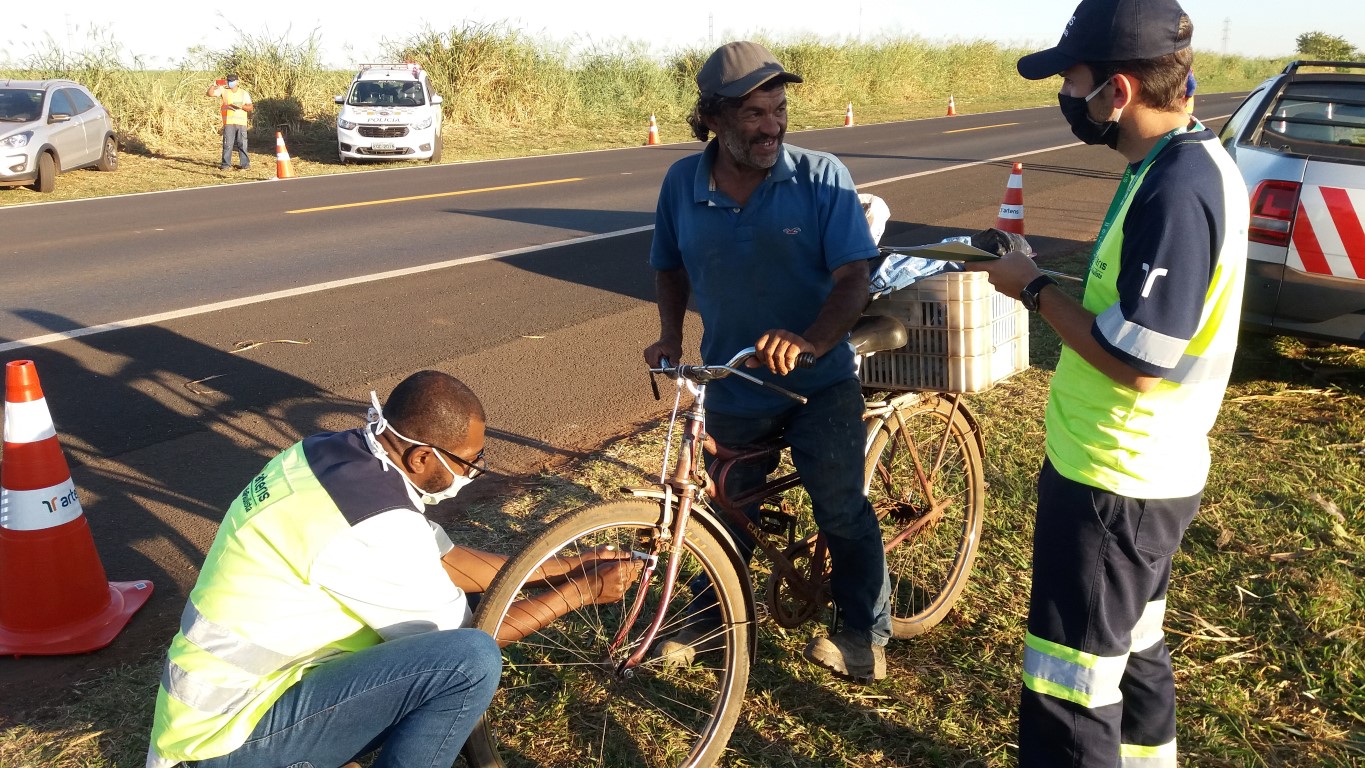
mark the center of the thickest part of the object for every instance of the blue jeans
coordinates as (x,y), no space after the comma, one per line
(234,137)
(827,440)
(415,699)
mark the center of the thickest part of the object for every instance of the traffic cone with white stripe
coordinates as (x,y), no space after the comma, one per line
(284,167)
(952,107)
(53,595)
(653,137)
(1011,217)
(848,116)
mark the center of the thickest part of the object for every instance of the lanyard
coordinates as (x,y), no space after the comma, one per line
(1128,185)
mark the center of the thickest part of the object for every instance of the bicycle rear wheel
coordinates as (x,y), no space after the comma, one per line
(925,481)
(562,701)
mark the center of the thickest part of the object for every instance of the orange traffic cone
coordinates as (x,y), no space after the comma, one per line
(53,595)
(1011,218)
(952,108)
(848,116)
(284,167)
(653,137)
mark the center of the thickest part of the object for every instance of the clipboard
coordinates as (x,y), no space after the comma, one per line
(949,251)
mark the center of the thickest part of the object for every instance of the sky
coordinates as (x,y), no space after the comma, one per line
(161,33)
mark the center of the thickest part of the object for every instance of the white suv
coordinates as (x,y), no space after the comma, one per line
(390,112)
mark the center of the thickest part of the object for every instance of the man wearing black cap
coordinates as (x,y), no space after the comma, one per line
(1145,360)
(772,243)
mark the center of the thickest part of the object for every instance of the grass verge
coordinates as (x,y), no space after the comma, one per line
(1266,621)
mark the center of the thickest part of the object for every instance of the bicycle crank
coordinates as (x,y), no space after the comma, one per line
(795,595)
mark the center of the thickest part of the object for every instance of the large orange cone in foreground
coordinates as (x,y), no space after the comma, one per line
(53,595)
(284,167)
(1011,218)
(653,137)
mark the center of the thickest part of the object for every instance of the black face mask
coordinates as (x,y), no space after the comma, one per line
(1083,126)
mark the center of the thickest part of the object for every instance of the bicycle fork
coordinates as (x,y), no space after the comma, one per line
(683,482)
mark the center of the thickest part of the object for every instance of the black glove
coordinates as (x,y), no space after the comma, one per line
(999,242)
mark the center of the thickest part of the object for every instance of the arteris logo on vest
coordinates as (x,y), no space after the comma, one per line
(60,502)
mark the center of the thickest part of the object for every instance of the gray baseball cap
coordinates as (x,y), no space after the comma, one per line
(736,69)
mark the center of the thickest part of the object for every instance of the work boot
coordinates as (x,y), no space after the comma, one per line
(849,655)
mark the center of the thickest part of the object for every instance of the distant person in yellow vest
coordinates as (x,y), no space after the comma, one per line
(332,618)
(1146,355)
(236,106)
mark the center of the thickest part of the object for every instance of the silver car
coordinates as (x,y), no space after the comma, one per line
(49,127)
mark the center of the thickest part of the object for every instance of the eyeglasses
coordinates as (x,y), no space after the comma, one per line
(472,469)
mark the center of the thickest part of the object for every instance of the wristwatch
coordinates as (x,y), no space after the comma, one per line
(1029,296)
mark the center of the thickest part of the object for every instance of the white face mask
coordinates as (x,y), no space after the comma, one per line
(377,425)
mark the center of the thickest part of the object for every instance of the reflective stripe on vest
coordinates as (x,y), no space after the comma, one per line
(1082,678)
(1135,756)
(1148,632)
(1151,444)
(228,646)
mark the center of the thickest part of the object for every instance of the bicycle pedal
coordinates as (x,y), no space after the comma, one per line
(776,521)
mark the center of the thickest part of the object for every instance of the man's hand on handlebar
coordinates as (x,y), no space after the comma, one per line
(778,350)
(663,348)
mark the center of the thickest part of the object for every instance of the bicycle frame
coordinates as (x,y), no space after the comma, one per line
(690,482)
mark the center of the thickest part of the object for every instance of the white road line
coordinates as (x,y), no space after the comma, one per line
(161,317)
(53,338)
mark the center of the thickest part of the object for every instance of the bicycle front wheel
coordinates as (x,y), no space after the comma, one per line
(562,700)
(925,481)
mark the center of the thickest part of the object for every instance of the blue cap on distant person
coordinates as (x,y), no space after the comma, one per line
(1110,30)
(736,69)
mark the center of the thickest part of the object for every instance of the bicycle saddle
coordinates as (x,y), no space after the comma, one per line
(877,333)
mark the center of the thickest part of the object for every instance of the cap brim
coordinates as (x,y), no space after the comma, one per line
(747,85)
(1044,64)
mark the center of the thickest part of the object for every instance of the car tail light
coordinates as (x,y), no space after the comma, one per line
(1272,212)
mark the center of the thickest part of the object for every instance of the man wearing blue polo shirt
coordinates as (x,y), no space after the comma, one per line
(772,243)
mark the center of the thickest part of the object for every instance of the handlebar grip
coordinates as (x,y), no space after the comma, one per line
(805,360)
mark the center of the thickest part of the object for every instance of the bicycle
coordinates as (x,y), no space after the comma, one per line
(586,687)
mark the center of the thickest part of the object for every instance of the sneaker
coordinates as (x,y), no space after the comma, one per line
(847,654)
(224,167)
(681,649)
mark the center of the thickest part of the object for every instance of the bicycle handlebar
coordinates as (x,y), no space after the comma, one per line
(702,374)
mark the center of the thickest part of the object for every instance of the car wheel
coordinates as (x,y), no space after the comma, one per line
(435,151)
(109,157)
(47,174)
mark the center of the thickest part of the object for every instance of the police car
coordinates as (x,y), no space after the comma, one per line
(1299,140)
(390,112)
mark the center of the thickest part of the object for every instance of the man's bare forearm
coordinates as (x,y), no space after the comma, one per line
(673,291)
(842,308)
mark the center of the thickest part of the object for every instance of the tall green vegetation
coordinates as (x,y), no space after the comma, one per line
(497,80)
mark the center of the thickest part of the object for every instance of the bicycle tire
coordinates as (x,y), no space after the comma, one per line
(560,701)
(930,566)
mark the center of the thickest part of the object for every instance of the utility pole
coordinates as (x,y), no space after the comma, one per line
(1227,27)
(710,29)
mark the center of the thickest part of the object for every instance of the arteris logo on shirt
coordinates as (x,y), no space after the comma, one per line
(792,230)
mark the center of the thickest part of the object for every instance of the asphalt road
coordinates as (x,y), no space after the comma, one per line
(527,278)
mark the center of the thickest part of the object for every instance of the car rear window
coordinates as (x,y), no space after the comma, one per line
(1318,118)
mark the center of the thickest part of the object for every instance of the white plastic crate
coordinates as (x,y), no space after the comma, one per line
(963,336)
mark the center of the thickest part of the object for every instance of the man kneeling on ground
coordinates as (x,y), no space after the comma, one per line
(328,592)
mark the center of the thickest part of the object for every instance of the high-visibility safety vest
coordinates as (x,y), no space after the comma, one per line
(255,622)
(235,98)
(1152,445)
